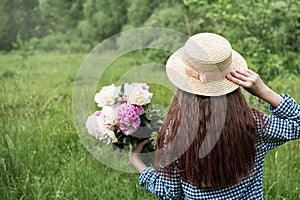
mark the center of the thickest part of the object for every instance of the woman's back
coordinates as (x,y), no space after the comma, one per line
(274,131)
(224,136)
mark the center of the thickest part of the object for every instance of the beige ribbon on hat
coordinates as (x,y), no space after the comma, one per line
(208,75)
(193,73)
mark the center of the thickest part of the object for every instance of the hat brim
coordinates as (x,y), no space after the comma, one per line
(175,69)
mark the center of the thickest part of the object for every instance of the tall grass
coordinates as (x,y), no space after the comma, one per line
(42,156)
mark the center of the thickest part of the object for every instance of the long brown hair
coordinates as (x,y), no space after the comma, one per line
(210,139)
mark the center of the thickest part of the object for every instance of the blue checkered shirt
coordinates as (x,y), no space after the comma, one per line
(282,127)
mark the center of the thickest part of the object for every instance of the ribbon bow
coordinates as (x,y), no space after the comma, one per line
(198,75)
(207,76)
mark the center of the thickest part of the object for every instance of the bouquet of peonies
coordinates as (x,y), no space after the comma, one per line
(126,116)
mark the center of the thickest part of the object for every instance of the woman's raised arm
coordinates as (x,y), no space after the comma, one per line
(252,82)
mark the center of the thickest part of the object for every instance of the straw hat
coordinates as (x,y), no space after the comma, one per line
(201,65)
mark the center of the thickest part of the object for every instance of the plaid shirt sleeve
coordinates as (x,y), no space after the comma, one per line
(163,187)
(284,126)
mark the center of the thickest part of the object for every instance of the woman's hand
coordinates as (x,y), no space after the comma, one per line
(249,80)
(254,85)
(134,155)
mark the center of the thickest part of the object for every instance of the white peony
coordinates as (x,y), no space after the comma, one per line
(108,117)
(139,94)
(93,125)
(106,134)
(96,126)
(107,95)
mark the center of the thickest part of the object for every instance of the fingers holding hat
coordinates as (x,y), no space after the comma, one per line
(239,77)
(246,78)
(250,80)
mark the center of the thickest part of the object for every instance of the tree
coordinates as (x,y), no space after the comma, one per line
(19,21)
(139,11)
(58,16)
(102,19)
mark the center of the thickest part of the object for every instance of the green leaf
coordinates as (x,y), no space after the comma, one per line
(116,99)
(145,121)
(122,90)
(133,142)
(154,135)
(126,141)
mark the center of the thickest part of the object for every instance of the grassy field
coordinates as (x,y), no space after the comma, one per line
(42,156)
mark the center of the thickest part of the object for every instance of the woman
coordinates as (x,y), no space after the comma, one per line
(212,144)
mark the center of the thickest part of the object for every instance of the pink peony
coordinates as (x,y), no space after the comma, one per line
(128,118)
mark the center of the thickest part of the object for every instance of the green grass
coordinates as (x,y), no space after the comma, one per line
(42,156)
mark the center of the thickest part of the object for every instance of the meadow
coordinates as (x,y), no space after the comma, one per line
(43,157)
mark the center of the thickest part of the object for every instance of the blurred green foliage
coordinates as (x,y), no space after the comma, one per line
(266,33)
